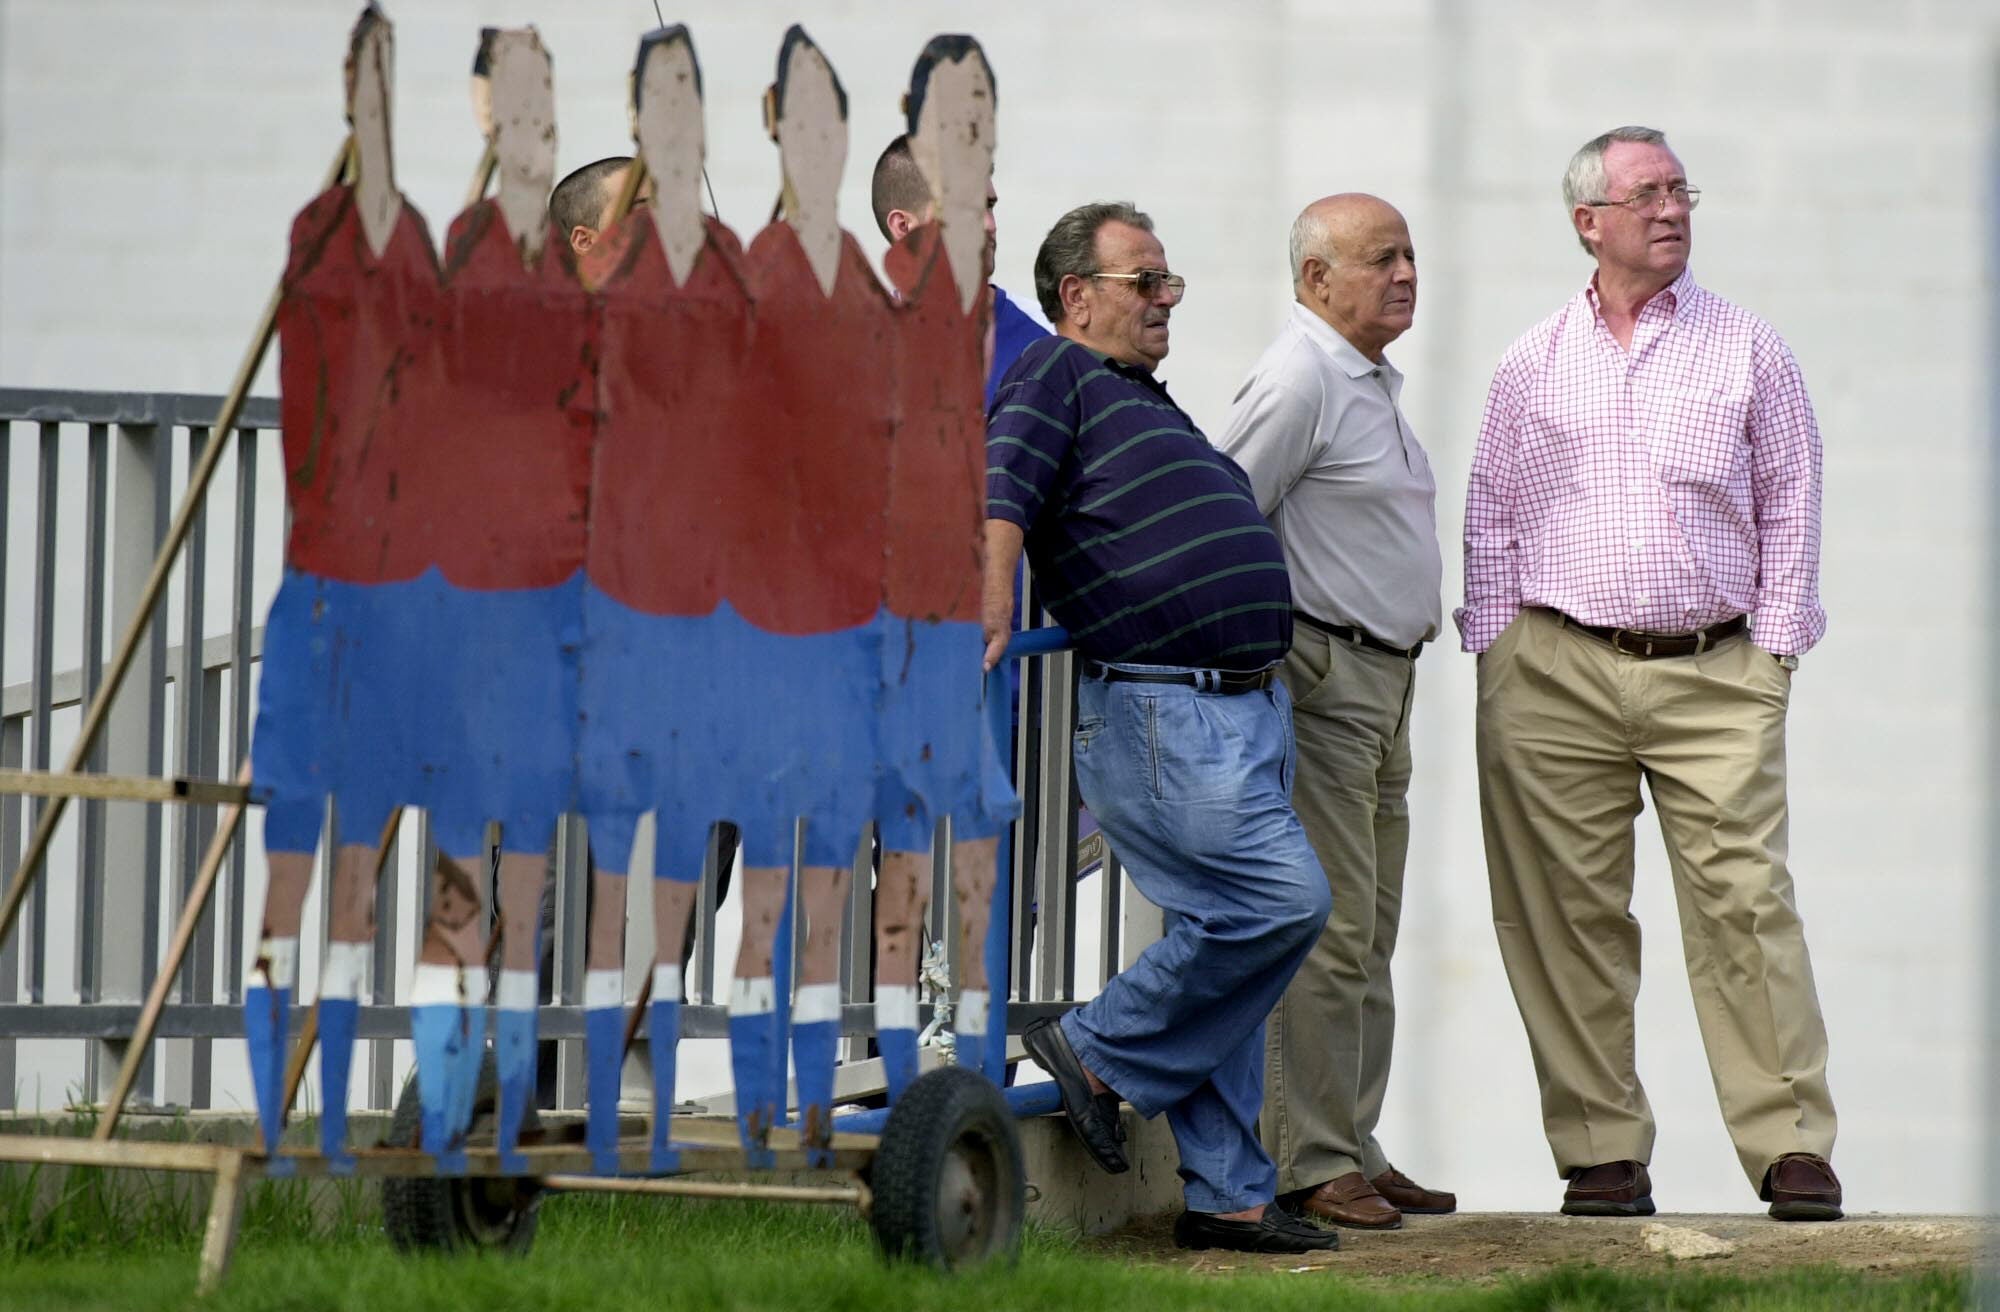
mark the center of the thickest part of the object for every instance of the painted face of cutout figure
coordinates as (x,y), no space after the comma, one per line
(951,107)
(668,124)
(524,134)
(370,73)
(806,112)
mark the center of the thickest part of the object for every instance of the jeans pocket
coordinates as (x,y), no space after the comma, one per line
(1087,728)
(1197,750)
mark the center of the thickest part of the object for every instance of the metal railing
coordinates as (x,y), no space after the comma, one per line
(102,473)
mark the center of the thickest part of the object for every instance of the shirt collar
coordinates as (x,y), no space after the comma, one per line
(1673,297)
(1119,367)
(1341,351)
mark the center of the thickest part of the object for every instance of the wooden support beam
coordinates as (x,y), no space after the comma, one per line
(225,1220)
(163,983)
(64,1150)
(856,1194)
(123,787)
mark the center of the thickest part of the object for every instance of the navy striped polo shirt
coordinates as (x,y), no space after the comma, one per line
(1145,540)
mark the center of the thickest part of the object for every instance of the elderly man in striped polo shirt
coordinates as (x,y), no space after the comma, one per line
(1149,546)
(1641,577)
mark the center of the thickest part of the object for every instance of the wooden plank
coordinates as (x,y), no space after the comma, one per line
(852,1152)
(225,1220)
(123,788)
(711,1148)
(856,1193)
(63,1150)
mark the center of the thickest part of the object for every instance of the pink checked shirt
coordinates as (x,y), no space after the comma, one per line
(1667,488)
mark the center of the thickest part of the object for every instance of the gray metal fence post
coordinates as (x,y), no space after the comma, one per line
(572,875)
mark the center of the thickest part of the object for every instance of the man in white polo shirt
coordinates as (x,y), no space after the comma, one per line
(1350,493)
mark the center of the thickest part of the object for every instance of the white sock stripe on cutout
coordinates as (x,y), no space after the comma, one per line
(666,983)
(434,985)
(896,1007)
(345,971)
(753,997)
(281,960)
(971,1018)
(816,1003)
(603,988)
(518,990)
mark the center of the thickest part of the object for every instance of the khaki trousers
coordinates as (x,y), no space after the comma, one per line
(1327,1042)
(1567,727)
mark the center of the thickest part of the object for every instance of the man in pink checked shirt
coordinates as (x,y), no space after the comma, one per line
(1641,577)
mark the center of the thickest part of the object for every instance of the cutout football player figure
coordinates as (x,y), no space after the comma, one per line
(677,325)
(805,577)
(361,272)
(939,759)
(507,533)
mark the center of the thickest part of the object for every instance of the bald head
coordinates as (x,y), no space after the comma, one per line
(1327,228)
(1354,266)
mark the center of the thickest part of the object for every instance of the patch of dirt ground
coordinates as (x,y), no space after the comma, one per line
(1478,1246)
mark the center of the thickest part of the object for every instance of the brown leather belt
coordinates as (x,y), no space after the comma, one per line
(1226,682)
(1361,637)
(1650,646)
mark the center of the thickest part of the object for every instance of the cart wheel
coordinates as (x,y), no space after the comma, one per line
(459,1213)
(949,1188)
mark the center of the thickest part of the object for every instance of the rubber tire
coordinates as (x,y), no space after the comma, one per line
(950,1190)
(459,1214)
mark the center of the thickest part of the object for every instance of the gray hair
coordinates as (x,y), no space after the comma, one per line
(1584,182)
(1071,248)
(1310,240)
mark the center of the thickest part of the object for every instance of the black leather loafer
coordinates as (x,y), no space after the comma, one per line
(1274,1232)
(1094,1118)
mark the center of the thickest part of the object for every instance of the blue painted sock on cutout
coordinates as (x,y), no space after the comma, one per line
(970,1050)
(663,1036)
(751,1039)
(604,1058)
(436,1030)
(336,1058)
(465,1063)
(813,1047)
(899,1059)
(266,1018)
(514,1062)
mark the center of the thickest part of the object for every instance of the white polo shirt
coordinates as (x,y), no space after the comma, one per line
(1345,483)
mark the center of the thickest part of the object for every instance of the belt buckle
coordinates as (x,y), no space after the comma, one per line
(1618,637)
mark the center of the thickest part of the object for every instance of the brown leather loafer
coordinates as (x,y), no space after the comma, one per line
(1349,1200)
(1609,1189)
(1406,1195)
(1802,1187)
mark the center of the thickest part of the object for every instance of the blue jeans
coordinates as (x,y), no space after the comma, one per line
(1193,790)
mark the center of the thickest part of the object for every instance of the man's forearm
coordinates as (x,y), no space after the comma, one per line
(1002,559)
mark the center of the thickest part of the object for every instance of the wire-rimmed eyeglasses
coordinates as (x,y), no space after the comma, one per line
(1653,200)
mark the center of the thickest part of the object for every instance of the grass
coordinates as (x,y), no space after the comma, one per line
(121,1251)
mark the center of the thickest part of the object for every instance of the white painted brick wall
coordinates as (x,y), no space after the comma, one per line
(151,157)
